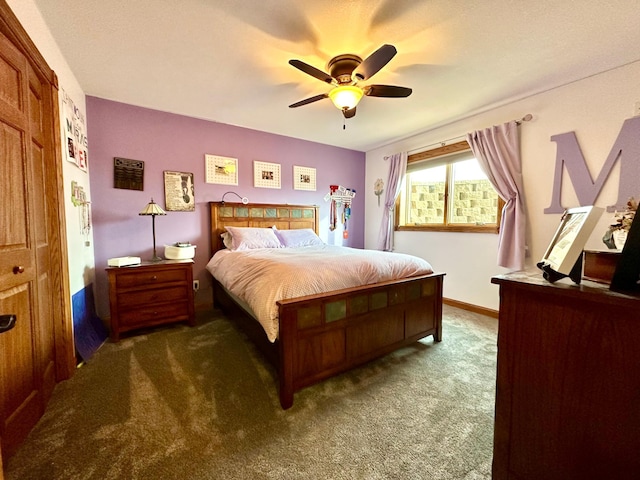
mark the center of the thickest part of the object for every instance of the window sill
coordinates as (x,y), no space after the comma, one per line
(449,228)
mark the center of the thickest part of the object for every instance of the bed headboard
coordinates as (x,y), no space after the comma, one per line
(283,216)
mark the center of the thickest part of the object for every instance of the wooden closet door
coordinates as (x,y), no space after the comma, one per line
(27,352)
(44,208)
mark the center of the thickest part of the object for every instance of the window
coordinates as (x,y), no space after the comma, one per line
(445,190)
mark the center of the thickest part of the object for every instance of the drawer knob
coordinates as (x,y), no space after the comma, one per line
(18,269)
(154,278)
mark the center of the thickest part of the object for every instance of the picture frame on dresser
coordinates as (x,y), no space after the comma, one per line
(563,257)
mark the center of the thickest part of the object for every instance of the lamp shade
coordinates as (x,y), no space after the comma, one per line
(152,208)
(346,96)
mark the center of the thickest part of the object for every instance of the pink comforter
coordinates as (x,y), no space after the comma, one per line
(263,276)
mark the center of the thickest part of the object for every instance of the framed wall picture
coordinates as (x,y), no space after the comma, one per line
(128,174)
(179,195)
(221,170)
(304,178)
(266,175)
(565,250)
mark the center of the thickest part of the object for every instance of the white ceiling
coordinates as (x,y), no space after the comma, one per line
(227,60)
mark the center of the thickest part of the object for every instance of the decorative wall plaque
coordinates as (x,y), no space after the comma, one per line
(128,174)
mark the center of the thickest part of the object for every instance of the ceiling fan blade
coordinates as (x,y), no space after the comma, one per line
(313,71)
(387,91)
(306,101)
(350,113)
(374,62)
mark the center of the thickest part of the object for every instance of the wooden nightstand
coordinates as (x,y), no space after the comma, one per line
(151,293)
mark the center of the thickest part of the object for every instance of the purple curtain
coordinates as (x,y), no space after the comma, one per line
(497,150)
(397,169)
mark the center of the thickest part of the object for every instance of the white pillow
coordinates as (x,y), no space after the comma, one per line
(247,238)
(302,237)
(227,240)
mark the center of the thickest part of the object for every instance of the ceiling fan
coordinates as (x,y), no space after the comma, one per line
(346,71)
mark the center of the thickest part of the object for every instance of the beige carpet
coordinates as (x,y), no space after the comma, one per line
(200,403)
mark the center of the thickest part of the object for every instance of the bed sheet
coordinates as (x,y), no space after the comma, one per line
(263,276)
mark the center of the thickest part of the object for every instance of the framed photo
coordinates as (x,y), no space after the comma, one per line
(222,170)
(266,175)
(568,242)
(304,178)
(179,195)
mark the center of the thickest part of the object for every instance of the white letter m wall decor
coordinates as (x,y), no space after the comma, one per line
(626,148)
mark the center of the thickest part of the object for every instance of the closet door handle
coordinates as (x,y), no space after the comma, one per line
(7,322)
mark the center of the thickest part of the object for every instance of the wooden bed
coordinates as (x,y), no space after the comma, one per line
(323,335)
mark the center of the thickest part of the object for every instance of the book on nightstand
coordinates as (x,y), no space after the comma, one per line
(123,261)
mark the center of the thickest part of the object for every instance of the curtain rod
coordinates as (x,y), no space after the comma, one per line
(442,143)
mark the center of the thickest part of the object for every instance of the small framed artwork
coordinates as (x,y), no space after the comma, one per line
(128,174)
(179,195)
(564,253)
(304,178)
(221,170)
(266,175)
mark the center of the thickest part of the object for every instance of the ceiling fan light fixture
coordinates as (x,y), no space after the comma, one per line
(346,97)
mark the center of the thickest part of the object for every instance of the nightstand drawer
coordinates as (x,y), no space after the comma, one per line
(147,278)
(154,314)
(153,296)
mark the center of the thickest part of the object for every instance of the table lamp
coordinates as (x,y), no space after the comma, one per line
(153,209)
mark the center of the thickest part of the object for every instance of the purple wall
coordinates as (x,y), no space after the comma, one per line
(166,141)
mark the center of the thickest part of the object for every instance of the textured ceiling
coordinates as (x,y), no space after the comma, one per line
(227,60)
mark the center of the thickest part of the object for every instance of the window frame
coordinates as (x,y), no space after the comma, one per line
(464,228)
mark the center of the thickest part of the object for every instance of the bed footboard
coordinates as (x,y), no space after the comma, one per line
(323,335)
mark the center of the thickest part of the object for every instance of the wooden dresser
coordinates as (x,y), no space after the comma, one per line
(568,381)
(149,294)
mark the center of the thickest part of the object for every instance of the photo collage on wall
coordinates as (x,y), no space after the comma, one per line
(76,133)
